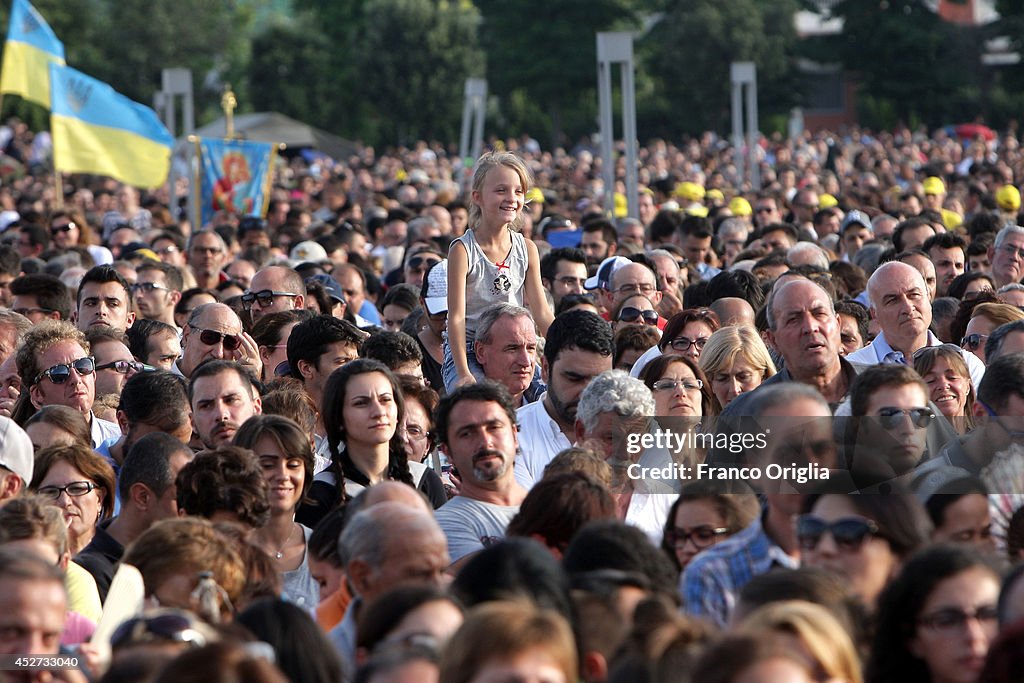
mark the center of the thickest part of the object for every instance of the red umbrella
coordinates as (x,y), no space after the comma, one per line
(973,130)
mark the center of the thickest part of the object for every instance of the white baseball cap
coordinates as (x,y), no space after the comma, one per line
(16,453)
(435,289)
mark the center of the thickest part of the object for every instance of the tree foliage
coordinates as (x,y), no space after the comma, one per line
(688,54)
(905,55)
(546,50)
(414,57)
(289,69)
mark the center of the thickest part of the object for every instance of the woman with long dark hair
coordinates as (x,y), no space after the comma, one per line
(362,411)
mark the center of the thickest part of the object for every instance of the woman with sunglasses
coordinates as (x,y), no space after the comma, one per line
(949,383)
(363,408)
(936,619)
(271,336)
(80,482)
(634,310)
(735,361)
(984,319)
(705,515)
(687,332)
(286,459)
(861,538)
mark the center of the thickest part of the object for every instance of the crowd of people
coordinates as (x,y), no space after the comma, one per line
(427,423)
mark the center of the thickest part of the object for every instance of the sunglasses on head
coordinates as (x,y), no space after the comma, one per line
(848,533)
(170,628)
(631,314)
(892,418)
(212,338)
(264,296)
(972,341)
(60,373)
(422,262)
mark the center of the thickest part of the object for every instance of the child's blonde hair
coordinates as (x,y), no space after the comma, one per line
(483,166)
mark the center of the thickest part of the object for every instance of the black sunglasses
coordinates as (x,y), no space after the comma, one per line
(57,229)
(264,296)
(212,338)
(59,373)
(630,314)
(123,367)
(972,341)
(849,533)
(421,262)
(892,418)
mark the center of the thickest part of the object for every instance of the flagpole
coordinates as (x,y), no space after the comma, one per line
(58,187)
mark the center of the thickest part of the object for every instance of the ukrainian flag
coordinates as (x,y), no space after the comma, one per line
(98,130)
(31,46)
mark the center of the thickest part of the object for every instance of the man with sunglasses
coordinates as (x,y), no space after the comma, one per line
(104,300)
(899,302)
(157,290)
(896,419)
(213,331)
(418,262)
(55,366)
(274,289)
(114,362)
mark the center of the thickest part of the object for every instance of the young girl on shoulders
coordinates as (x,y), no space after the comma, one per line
(491,263)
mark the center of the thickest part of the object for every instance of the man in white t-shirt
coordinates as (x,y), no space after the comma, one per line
(578,348)
(476,424)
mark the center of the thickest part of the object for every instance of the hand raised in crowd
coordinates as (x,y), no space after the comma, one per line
(248,355)
(8,401)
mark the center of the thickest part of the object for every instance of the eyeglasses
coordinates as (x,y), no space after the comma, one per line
(265,297)
(123,367)
(631,314)
(702,536)
(29,311)
(683,344)
(892,418)
(949,619)
(60,373)
(645,288)
(1012,251)
(421,262)
(673,384)
(169,249)
(205,250)
(67,227)
(849,533)
(212,338)
(972,341)
(75,489)
(148,287)
(174,628)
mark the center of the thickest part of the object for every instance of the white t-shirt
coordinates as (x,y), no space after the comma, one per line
(472,525)
(540,440)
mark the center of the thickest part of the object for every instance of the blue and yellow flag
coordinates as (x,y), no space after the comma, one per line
(30,48)
(235,176)
(98,130)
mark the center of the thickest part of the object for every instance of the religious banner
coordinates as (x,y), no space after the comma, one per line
(234,177)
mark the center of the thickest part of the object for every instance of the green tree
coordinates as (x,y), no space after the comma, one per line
(414,58)
(688,54)
(546,52)
(904,55)
(287,71)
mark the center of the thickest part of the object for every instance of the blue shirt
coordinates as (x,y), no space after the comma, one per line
(713,578)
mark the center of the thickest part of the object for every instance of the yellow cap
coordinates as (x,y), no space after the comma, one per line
(740,207)
(691,192)
(1008,198)
(951,219)
(714,194)
(933,185)
(827,201)
(621,205)
(535,195)
(701,211)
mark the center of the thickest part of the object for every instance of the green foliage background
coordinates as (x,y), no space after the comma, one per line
(393,71)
